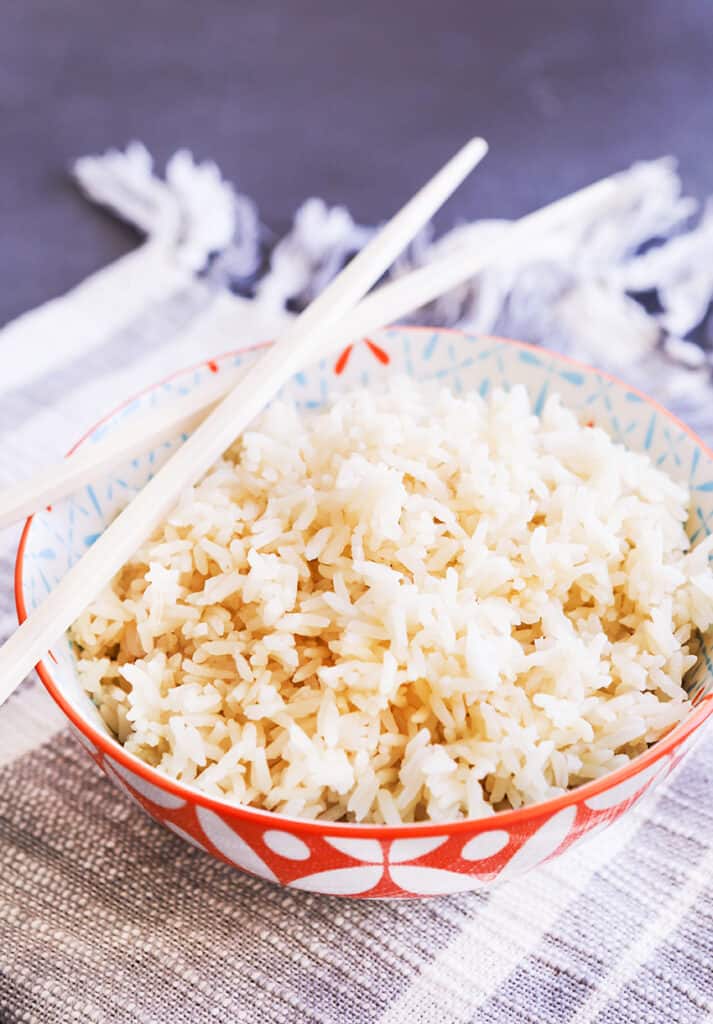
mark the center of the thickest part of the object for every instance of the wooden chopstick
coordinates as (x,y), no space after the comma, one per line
(386,305)
(305,336)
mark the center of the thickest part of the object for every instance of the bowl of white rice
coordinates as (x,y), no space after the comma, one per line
(443,611)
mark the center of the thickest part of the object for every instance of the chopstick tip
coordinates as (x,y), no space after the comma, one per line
(477,146)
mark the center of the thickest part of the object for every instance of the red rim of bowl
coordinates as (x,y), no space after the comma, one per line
(501,819)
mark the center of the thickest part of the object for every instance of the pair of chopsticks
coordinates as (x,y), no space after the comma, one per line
(219,418)
(385,305)
(304,338)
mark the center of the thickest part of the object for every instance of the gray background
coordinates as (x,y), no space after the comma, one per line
(355,102)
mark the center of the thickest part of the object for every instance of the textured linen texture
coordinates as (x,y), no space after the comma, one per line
(107,917)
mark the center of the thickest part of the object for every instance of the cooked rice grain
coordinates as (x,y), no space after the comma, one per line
(406,606)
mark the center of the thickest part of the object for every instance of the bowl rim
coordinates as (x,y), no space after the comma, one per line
(273,819)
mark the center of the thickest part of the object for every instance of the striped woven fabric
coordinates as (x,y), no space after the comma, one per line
(104,916)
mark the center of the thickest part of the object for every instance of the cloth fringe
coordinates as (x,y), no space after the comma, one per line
(579,290)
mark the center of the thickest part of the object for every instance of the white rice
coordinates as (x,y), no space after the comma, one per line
(407,606)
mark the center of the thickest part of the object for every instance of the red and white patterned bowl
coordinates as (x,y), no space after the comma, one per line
(375,861)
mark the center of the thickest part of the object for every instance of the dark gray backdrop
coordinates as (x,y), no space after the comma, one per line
(355,102)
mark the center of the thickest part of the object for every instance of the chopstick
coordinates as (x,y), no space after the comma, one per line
(306,335)
(383,306)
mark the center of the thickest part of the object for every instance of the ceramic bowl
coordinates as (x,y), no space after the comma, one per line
(375,861)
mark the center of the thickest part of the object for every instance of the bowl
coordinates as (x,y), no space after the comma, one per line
(375,861)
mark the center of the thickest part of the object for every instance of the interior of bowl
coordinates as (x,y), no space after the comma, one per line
(55,539)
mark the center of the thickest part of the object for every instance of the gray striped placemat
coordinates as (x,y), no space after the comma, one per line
(106,917)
